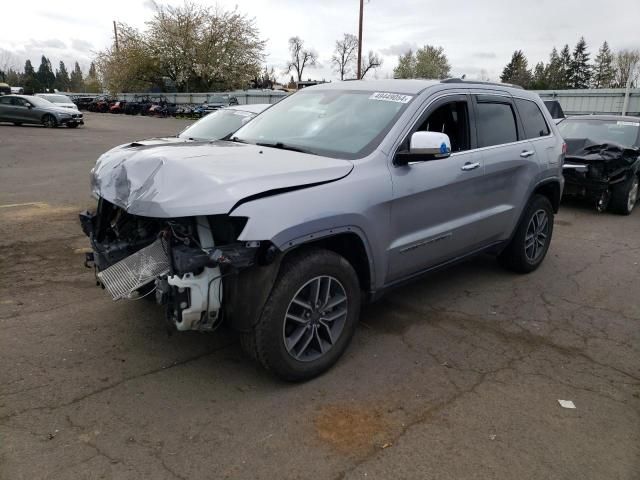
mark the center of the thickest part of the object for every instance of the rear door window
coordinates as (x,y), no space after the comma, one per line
(532,119)
(5,100)
(496,123)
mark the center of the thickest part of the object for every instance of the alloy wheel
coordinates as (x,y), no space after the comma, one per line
(536,236)
(315,318)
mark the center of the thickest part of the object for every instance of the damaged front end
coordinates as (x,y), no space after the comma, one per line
(593,169)
(181,262)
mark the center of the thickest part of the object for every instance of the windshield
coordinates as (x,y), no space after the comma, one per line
(217,125)
(39,102)
(58,98)
(617,131)
(335,123)
(217,99)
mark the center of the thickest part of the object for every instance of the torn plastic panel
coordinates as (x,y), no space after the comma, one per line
(196,254)
(199,179)
(592,168)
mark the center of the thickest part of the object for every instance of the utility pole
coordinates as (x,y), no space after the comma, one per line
(360,39)
(115,34)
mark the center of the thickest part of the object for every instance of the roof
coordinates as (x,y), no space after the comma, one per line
(409,87)
(626,118)
(250,107)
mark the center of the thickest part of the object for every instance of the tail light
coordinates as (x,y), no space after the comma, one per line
(564,148)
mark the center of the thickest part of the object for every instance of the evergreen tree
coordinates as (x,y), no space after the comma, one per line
(517,71)
(91,82)
(564,67)
(76,79)
(553,72)
(15,79)
(31,84)
(45,74)
(62,78)
(603,71)
(540,81)
(580,70)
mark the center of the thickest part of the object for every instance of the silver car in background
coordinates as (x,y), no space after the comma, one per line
(58,99)
(21,109)
(328,199)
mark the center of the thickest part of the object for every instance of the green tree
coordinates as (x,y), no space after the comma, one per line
(553,71)
(517,70)
(540,81)
(14,78)
(45,74)
(76,80)
(31,84)
(62,81)
(579,74)
(431,62)
(564,67)
(92,82)
(603,70)
(406,66)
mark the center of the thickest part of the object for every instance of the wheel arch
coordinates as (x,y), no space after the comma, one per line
(552,190)
(349,242)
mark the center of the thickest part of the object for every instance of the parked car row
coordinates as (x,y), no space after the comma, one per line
(152,105)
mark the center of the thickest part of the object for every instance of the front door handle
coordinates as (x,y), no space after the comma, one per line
(470,166)
(527,153)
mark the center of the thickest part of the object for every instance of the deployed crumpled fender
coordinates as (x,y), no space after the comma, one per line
(193,179)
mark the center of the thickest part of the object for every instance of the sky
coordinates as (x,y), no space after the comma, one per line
(478,37)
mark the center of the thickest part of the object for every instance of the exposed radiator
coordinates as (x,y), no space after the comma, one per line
(135,271)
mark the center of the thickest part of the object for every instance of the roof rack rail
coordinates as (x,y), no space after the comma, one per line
(479,82)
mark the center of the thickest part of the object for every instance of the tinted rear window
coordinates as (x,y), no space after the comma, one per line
(496,124)
(532,119)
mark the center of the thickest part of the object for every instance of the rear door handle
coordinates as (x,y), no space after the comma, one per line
(470,166)
(527,153)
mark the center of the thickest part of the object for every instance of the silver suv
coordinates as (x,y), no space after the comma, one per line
(324,201)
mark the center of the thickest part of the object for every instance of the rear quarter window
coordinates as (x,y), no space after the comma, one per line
(496,124)
(533,121)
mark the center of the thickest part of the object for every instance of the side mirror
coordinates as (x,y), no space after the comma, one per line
(425,146)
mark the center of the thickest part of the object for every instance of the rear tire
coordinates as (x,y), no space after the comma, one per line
(301,333)
(532,238)
(49,121)
(624,196)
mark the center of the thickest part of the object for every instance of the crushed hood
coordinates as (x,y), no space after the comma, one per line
(178,179)
(588,150)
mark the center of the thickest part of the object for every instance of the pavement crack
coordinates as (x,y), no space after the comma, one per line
(117,384)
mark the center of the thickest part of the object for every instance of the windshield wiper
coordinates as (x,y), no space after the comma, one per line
(234,139)
(283,146)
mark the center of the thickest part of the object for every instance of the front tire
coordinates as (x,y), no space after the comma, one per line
(625,195)
(49,121)
(532,238)
(309,319)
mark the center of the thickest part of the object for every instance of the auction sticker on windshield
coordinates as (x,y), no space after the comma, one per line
(391,97)
(630,124)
